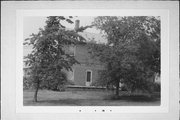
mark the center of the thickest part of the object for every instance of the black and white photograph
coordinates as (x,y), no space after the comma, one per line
(92,61)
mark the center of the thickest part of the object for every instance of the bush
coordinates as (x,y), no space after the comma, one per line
(124,88)
(70,82)
(157,87)
(27,83)
(56,84)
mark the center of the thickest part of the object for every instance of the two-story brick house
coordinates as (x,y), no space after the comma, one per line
(86,72)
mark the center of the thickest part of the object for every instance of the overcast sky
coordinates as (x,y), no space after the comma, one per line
(32,24)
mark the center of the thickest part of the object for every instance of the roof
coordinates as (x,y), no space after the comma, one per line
(88,36)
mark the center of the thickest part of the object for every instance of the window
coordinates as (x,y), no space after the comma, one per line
(70,75)
(88,76)
(72,50)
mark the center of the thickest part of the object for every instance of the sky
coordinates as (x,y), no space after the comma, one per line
(32,24)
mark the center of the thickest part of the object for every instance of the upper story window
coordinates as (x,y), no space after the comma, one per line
(72,49)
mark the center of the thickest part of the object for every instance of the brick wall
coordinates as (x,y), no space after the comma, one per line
(80,73)
(82,55)
(86,63)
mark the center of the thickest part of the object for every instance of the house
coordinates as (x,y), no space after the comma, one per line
(87,72)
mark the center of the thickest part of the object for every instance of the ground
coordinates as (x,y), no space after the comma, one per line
(83,98)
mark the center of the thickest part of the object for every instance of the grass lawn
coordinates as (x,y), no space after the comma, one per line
(84,98)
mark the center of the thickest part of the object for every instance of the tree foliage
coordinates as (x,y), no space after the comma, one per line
(132,52)
(48,57)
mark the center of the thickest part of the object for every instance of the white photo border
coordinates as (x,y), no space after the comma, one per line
(164,15)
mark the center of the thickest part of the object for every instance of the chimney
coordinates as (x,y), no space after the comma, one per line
(77,22)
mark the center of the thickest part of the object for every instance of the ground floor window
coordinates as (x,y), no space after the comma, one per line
(88,77)
(70,75)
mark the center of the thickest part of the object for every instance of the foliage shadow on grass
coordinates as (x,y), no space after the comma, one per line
(135,98)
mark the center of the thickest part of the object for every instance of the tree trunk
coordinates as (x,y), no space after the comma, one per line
(107,86)
(117,88)
(36,91)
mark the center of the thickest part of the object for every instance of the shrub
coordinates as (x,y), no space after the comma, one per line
(57,84)
(27,83)
(157,87)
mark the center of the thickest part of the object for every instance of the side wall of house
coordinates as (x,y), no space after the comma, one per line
(87,63)
(80,72)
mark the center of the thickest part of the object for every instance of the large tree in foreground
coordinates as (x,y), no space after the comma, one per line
(132,52)
(48,56)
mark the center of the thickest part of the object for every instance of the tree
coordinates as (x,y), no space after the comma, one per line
(48,56)
(132,52)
